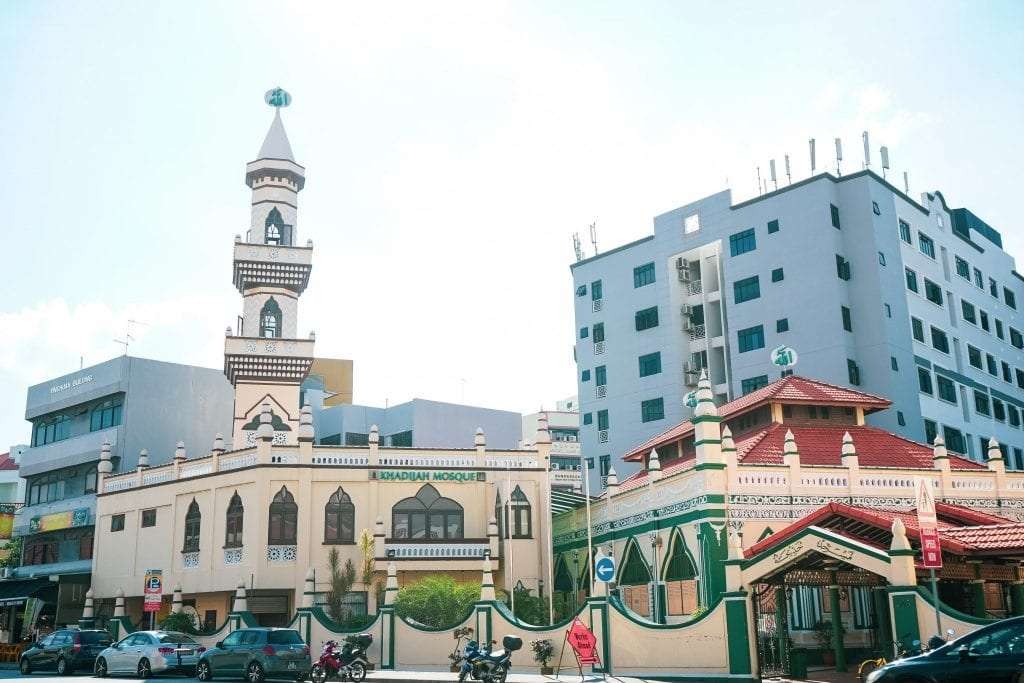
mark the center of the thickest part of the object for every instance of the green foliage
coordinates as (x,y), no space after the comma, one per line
(698,613)
(437,601)
(342,579)
(367,545)
(543,650)
(180,621)
(13,549)
(530,609)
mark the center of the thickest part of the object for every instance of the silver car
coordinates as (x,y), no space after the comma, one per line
(145,653)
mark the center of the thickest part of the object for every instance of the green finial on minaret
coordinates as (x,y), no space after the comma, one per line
(278,97)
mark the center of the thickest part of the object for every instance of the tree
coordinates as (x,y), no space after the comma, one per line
(181,622)
(367,545)
(13,550)
(342,579)
(437,601)
(530,609)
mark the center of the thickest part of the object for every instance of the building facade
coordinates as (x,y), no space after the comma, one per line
(908,299)
(122,402)
(564,426)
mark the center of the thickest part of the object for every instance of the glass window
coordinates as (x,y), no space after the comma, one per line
(742,242)
(835,215)
(283,519)
(753,384)
(924,381)
(643,275)
(522,522)
(968,312)
(905,232)
(954,440)
(847,319)
(646,319)
(650,364)
(930,431)
(881,258)
(601,375)
(997,641)
(782,325)
(990,363)
(939,340)
(981,405)
(875,209)
(778,275)
(983,316)
(998,410)
(751,338)
(773,226)
(234,522)
(1016,338)
(588,418)
(598,333)
(581,290)
(596,290)
(974,357)
(602,420)
(842,268)
(911,279)
(49,430)
(947,390)
(604,464)
(917,329)
(653,409)
(1020,377)
(584,333)
(1010,298)
(270,319)
(192,525)
(963,269)
(1014,415)
(933,292)
(105,415)
(746,289)
(999,329)
(979,279)
(993,288)
(410,516)
(1007,375)
(926,245)
(117,523)
(339,518)
(585,376)
(853,371)
(148,518)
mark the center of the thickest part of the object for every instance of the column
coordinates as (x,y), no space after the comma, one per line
(837,625)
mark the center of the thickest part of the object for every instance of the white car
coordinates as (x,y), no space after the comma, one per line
(145,653)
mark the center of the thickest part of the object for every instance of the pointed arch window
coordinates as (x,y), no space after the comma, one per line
(270,319)
(680,577)
(284,517)
(520,522)
(339,518)
(499,515)
(193,520)
(275,230)
(235,519)
(427,515)
(634,580)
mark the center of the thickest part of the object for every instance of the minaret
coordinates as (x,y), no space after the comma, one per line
(267,361)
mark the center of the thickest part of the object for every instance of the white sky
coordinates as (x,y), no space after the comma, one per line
(451,151)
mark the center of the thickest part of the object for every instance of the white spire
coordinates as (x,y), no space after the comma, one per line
(276,145)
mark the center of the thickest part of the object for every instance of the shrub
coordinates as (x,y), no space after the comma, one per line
(180,621)
(437,601)
(543,651)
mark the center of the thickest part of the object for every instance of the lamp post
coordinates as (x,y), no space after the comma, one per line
(655,544)
(575,579)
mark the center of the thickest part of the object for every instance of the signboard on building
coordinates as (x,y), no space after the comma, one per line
(69,519)
(928,523)
(411,475)
(70,384)
(784,356)
(153,590)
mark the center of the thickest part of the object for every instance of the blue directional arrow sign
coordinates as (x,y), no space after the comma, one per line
(604,569)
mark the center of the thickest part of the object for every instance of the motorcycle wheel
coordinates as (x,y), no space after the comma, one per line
(462,676)
(357,672)
(499,675)
(317,674)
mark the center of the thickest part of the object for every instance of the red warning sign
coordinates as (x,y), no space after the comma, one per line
(583,643)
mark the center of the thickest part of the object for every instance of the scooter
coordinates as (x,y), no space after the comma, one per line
(348,663)
(481,664)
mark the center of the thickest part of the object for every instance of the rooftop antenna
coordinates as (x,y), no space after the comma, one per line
(789,176)
(128,338)
(885,160)
(576,246)
(759,192)
(867,151)
(593,236)
(771,166)
(813,164)
(906,184)
(839,156)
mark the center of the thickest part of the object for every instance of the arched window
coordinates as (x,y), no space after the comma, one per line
(339,518)
(499,515)
(106,414)
(235,518)
(634,580)
(521,524)
(680,578)
(270,319)
(275,231)
(427,515)
(192,523)
(284,515)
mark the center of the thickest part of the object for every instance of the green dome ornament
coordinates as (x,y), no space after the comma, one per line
(278,97)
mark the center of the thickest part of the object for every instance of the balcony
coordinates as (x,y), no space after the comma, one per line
(695,287)
(598,348)
(600,391)
(272,265)
(267,358)
(76,450)
(424,554)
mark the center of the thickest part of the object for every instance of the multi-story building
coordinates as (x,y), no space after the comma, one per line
(131,403)
(903,298)
(564,427)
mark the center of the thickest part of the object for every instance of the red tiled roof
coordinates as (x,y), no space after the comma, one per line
(791,389)
(993,537)
(823,446)
(7,462)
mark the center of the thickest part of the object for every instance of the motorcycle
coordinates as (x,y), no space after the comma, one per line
(481,664)
(347,663)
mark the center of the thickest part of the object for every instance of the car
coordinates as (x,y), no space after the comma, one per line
(257,654)
(993,653)
(145,653)
(64,651)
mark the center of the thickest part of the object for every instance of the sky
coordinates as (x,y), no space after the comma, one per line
(451,151)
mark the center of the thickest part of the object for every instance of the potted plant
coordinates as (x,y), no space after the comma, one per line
(543,651)
(456,656)
(823,634)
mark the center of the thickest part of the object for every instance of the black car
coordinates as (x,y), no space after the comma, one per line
(993,654)
(65,651)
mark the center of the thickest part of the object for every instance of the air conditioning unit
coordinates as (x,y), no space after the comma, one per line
(687,325)
(686,310)
(682,264)
(689,368)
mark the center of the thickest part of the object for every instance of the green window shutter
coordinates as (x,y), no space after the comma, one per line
(635,571)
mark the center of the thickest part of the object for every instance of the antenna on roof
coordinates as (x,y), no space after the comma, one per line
(128,338)
(771,165)
(813,165)
(576,246)
(759,192)
(885,160)
(906,184)
(867,151)
(593,236)
(789,177)
(839,156)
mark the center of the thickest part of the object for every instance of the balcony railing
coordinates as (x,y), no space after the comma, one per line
(450,550)
(281,554)
(601,390)
(698,332)
(602,436)
(598,305)
(695,287)
(598,348)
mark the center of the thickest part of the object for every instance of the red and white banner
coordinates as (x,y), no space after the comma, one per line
(928,523)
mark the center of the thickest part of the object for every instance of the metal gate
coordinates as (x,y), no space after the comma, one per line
(773,644)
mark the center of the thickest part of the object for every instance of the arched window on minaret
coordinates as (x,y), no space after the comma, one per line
(270,319)
(276,232)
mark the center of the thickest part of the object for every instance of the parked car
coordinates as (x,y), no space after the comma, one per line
(64,651)
(257,654)
(145,653)
(994,654)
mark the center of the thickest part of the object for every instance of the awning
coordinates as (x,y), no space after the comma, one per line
(18,591)
(566,500)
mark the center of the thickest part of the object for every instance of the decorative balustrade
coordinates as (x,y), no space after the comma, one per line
(602,436)
(157,475)
(341,459)
(281,554)
(887,482)
(121,483)
(436,551)
(515,462)
(695,287)
(601,390)
(598,305)
(825,481)
(284,458)
(233,556)
(190,560)
(234,462)
(197,469)
(761,479)
(973,484)
(427,461)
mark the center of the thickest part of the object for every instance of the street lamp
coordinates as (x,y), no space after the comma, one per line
(575,578)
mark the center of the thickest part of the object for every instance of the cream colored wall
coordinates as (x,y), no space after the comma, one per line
(253,302)
(249,401)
